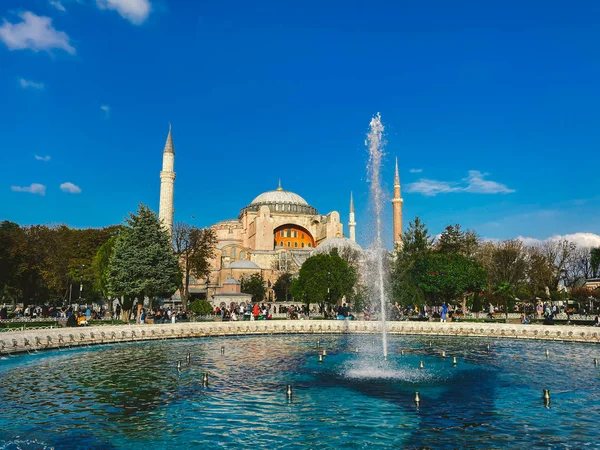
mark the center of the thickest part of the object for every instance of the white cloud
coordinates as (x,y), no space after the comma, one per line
(106,110)
(42,158)
(70,188)
(58,5)
(581,239)
(416,170)
(529,240)
(477,185)
(431,187)
(136,11)
(473,183)
(33,188)
(35,33)
(30,84)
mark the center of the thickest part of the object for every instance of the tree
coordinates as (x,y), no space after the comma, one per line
(255,286)
(455,241)
(101,266)
(143,263)
(416,245)
(324,279)
(557,254)
(282,287)
(195,247)
(9,261)
(202,307)
(504,261)
(579,267)
(448,277)
(505,291)
(595,262)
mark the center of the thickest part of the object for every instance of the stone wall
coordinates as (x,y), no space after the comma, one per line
(29,340)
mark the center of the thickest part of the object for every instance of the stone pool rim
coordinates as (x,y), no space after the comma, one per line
(41,339)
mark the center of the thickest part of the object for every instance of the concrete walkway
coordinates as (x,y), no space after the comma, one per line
(27,340)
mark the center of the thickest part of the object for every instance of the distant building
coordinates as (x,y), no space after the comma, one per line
(275,233)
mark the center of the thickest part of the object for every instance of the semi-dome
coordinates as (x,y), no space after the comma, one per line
(243,264)
(279,196)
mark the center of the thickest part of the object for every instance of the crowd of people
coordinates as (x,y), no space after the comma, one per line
(82,315)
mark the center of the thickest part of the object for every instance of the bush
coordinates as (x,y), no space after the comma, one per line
(201,307)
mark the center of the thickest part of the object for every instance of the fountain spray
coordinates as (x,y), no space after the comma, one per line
(375,144)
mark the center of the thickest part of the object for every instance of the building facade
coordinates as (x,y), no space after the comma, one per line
(274,234)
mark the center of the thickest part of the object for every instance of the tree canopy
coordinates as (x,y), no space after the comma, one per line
(194,247)
(324,278)
(255,286)
(143,263)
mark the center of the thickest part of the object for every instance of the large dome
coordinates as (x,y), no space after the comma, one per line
(280,202)
(279,196)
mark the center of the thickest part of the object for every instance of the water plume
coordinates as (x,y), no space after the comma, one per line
(375,146)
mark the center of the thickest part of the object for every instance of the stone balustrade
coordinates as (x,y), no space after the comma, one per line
(30,340)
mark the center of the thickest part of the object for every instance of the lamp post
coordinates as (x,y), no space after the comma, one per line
(207,283)
(563,274)
(81,283)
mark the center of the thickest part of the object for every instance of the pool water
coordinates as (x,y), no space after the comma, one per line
(131,396)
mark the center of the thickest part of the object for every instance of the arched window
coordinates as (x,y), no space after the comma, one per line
(295,244)
(242,255)
(303,245)
(309,244)
(281,243)
(225,252)
(233,252)
(289,244)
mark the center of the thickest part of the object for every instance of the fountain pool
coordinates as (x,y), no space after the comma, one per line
(132,396)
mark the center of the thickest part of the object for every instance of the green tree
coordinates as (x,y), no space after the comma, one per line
(324,279)
(255,286)
(416,245)
(143,263)
(101,267)
(282,287)
(595,262)
(194,247)
(506,292)
(202,307)
(10,261)
(448,277)
(453,240)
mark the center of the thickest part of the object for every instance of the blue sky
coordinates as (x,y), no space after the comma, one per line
(491,108)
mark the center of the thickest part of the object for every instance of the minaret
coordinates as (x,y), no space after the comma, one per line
(397,204)
(352,223)
(167,182)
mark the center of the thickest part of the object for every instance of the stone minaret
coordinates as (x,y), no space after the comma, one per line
(352,223)
(167,182)
(397,204)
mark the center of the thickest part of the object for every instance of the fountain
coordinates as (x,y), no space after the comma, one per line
(377,253)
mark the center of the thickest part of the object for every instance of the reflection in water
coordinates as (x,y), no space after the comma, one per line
(132,396)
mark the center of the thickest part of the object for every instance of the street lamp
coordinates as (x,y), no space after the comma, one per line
(563,274)
(207,283)
(81,283)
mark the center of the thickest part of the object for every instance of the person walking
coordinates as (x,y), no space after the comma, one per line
(444,312)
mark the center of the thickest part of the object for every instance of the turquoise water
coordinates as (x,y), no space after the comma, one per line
(131,396)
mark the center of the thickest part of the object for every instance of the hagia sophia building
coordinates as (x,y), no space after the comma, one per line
(274,234)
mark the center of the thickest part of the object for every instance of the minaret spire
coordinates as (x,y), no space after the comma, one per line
(397,205)
(352,223)
(167,182)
